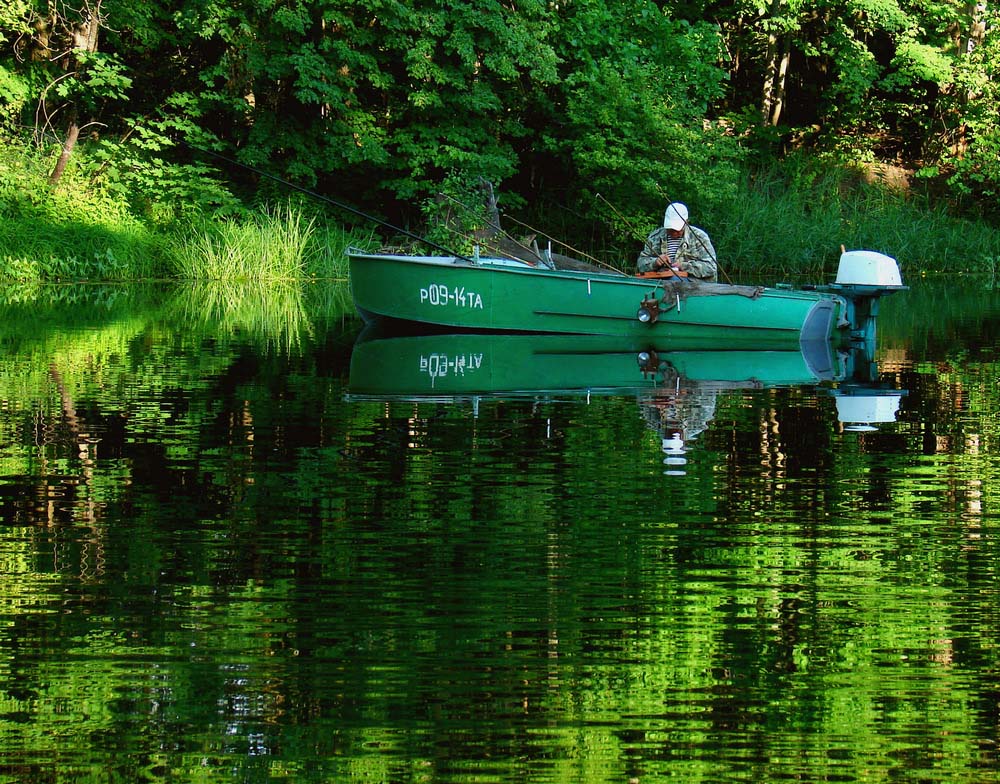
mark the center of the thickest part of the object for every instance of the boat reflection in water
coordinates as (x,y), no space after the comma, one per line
(676,385)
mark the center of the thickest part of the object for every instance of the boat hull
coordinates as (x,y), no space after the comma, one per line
(497,295)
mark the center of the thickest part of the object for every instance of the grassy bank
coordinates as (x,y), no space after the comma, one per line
(79,231)
(794,222)
(789,220)
(68,233)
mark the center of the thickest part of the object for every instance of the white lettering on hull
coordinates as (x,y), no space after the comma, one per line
(440,295)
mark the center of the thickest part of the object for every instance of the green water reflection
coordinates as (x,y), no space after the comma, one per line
(220,563)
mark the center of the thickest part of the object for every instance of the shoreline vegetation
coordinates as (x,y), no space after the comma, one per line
(139,140)
(785,220)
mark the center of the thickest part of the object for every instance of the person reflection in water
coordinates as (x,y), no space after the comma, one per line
(679,246)
(679,415)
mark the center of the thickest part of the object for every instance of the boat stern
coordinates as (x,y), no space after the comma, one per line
(820,320)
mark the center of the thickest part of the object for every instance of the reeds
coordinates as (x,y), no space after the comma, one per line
(271,245)
(278,243)
(789,225)
(332,242)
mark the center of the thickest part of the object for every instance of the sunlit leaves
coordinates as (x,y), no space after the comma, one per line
(915,63)
(875,15)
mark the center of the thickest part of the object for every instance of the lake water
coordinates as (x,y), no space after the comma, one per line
(230,556)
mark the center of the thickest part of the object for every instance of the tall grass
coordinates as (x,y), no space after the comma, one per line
(273,244)
(792,224)
(277,243)
(333,241)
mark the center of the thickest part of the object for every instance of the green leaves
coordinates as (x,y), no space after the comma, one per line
(634,128)
(383,99)
(915,63)
(103,77)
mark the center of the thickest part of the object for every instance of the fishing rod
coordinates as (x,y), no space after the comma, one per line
(334,202)
(618,212)
(584,254)
(631,227)
(635,231)
(496,225)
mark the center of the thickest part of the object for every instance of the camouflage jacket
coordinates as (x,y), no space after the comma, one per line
(695,254)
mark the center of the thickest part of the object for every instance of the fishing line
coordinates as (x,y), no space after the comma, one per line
(334,202)
(496,225)
(584,254)
(618,212)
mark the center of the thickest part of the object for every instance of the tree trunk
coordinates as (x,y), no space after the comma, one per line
(778,55)
(976,33)
(778,87)
(83,35)
(767,102)
(974,36)
(72,134)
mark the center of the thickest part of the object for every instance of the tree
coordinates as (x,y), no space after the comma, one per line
(77,41)
(60,46)
(628,119)
(895,80)
(14,89)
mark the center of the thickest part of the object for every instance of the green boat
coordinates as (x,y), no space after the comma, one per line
(387,365)
(510,295)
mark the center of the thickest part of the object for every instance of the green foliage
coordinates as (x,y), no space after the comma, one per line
(14,86)
(792,220)
(406,92)
(458,215)
(102,78)
(867,75)
(270,245)
(856,72)
(971,156)
(633,129)
(67,233)
(14,94)
(915,63)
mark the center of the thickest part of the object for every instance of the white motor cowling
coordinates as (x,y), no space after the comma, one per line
(867,268)
(861,411)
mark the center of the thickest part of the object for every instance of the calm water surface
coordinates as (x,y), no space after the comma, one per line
(228,555)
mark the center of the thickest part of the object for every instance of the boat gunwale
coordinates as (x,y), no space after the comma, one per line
(496,264)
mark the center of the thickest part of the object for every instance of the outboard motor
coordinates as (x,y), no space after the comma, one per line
(863,278)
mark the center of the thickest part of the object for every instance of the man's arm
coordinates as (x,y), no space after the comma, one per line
(699,257)
(650,253)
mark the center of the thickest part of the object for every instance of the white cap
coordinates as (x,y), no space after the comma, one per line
(676,216)
(673,445)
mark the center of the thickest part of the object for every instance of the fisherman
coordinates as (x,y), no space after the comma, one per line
(679,246)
